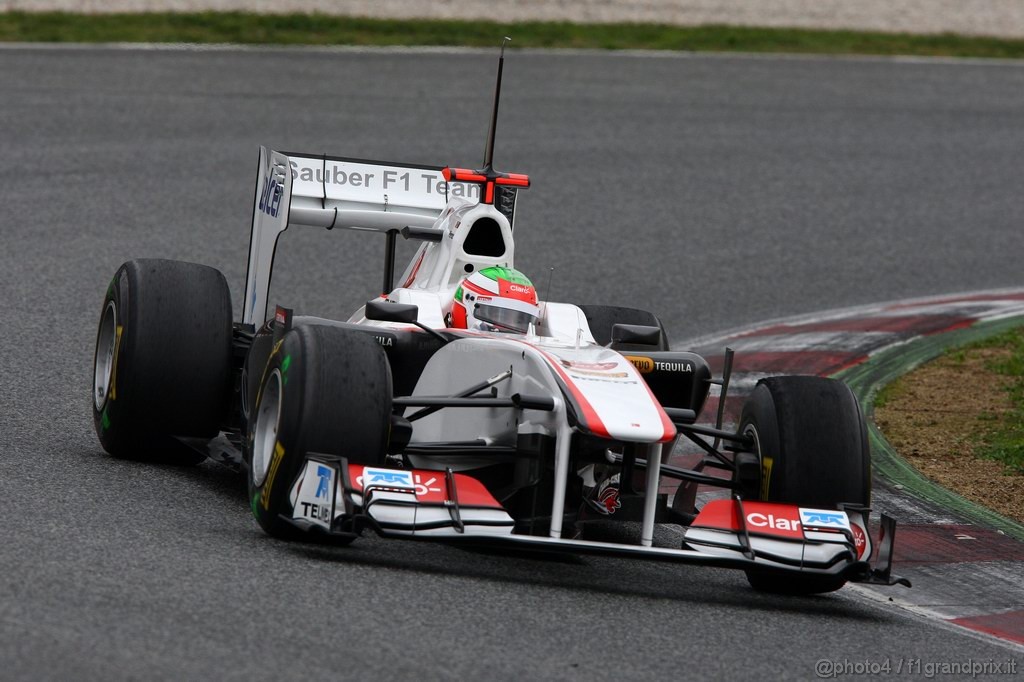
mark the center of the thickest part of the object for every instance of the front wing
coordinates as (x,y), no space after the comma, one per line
(333,497)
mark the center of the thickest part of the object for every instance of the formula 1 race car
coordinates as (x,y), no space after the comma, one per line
(459,407)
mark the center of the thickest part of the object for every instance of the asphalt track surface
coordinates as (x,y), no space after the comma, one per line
(717,191)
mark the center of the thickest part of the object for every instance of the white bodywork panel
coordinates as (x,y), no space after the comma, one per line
(441,265)
(607,393)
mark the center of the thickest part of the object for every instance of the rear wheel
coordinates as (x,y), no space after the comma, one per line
(162,365)
(601,319)
(325,390)
(810,436)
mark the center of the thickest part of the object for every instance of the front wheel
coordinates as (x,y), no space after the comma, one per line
(810,436)
(325,390)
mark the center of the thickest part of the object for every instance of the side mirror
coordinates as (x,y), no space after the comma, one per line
(385,311)
(635,333)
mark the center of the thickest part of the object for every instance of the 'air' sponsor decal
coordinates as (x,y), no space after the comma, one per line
(389,478)
(824,518)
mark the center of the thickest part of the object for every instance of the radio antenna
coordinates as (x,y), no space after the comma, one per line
(489,151)
(487,178)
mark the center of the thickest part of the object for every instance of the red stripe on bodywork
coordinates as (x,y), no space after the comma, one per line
(591,419)
(415,269)
(668,428)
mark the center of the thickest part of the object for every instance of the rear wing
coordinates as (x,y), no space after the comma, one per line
(335,192)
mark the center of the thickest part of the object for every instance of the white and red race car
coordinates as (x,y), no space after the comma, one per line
(395,421)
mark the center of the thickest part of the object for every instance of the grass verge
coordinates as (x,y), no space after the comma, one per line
(959,420)
(319,29)
(1001,436)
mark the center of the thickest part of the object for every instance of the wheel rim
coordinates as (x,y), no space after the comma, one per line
(103,365)
(268,414)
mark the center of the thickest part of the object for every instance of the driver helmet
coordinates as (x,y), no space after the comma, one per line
(495,299)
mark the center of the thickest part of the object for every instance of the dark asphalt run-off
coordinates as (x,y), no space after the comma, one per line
(717,191)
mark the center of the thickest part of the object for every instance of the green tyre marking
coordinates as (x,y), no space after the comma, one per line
(105,418)
(285,364)
(869,377)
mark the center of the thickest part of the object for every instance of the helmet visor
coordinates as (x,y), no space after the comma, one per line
(505,319)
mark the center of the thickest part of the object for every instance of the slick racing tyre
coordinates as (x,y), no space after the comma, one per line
(162,366)
(325,390)
(811,439)
(601,319)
